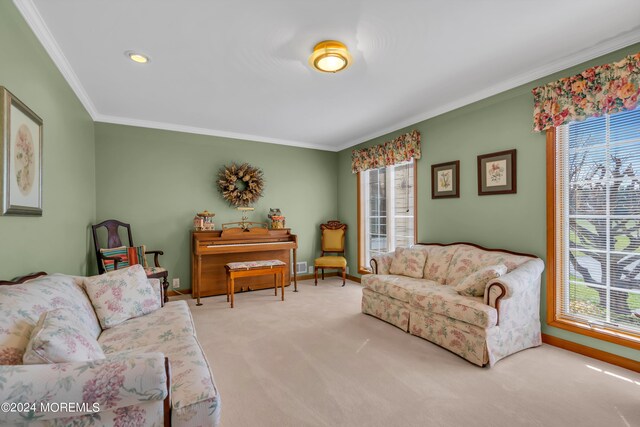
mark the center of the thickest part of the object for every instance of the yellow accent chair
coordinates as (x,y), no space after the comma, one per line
(333,234)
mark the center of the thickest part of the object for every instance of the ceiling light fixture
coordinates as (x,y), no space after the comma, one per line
(137,57)
(330,56)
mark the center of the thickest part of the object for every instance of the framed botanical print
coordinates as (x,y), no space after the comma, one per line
(20,157)
(497,173)
(445,180)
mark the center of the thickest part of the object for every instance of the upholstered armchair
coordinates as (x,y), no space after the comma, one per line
(332,241)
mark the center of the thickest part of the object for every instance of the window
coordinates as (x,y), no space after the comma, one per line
(596,227)
(387,210)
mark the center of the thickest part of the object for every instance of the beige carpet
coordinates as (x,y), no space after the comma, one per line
(316,360)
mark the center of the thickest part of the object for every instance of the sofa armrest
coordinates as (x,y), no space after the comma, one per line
(380,264)
(81,387)
(517,282)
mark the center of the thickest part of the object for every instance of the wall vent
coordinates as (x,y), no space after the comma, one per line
(301,267)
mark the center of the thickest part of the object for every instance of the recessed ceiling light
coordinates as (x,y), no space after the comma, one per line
(137,57)
(330,56)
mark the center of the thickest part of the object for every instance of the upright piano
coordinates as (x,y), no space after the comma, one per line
(211,250)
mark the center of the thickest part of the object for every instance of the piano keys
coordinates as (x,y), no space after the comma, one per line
(211,250)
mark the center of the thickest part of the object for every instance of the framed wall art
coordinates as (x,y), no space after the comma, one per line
(445,180)
(20,157)
(497,173)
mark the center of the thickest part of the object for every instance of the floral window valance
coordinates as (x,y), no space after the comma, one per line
(403,148)
(604,89)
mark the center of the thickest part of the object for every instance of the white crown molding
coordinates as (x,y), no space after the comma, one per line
(30,13)
(204,131)
(569,61)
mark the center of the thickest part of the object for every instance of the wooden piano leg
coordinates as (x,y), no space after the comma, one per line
(295,271)
(197,281)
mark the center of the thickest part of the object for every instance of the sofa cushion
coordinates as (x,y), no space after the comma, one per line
(21,307)
(474,284)
(469,259)
(59,337)
(121,295)
(408,262)
(192,387)
(446,301)
(438,262)
(171,321)
(394,286)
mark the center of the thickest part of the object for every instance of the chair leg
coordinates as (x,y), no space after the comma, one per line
(165,285)
(344,276)
(323,274)
(315,274)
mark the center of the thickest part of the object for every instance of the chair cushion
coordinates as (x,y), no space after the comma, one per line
(21,307)
(129,256)
(120,295)
(331,261)
(444,300)
(59,337)
(171,321)
(394,286)
(248,265)
(475,283)
(408,262)
(154,270)
(469,259)
(333,240)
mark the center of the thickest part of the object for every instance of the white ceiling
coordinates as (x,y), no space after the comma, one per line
(238,68)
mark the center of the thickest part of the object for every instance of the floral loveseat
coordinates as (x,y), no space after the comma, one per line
(502,318)
(129,385)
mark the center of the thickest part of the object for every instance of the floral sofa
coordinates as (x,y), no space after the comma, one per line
(501,318)
(132,384)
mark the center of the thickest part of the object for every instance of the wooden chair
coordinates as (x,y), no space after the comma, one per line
(333,234)
(113,241)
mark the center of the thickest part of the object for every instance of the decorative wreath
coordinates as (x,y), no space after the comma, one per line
(240,185)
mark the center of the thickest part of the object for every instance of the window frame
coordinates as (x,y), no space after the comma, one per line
(363,268)
(553,318)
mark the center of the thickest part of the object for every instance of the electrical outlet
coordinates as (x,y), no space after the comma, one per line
(176,283)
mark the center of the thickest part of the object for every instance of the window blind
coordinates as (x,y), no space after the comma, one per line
(598,222)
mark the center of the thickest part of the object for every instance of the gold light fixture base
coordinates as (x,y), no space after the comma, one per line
(330,56)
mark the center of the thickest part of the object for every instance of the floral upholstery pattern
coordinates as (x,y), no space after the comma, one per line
(385,308)
(408,262)
(446,301)
(172,321)
(59,336)
(150,414)
(21,307)
(469,259)
(397,287)
(603,89)
(248,265)
(402,149)
(193,391)
(120,295)
(471,327)
(383,262)
(119,381)
(438,262)
(474,284)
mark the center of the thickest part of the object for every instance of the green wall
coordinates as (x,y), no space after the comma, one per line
(515,221)
(157,180)
(57,241)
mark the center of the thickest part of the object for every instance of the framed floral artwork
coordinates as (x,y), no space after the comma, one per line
(497,173)
(20,157)
(445,180)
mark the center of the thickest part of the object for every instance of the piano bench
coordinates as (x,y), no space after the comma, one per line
(254,268)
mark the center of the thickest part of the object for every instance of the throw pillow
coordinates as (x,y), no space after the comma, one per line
(59,337)
(408,262)
(121,295)
(475,283)
(129,256)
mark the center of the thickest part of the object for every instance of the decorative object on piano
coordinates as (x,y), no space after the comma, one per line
(240,185)
(203,221)
(244,225)
(277,220)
